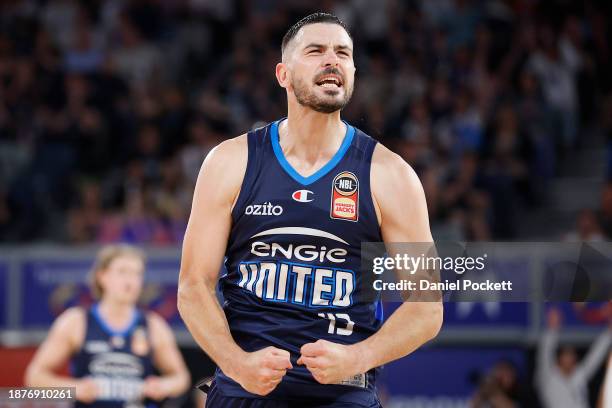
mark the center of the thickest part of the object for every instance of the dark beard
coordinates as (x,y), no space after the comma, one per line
(307,98)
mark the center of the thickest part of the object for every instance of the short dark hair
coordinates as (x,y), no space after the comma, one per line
(312,19)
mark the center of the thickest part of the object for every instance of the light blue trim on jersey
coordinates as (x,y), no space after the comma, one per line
(278,152)
(380,312)
(110,330)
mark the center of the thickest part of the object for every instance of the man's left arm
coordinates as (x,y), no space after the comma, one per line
(595,356)
(174,379)
(402,210)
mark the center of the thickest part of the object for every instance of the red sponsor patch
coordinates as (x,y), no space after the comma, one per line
(345,197)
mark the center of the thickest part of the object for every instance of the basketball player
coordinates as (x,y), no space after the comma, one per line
(113,347)
(289,204)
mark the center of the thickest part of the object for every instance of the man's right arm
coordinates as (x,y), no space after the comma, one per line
(204,246)
(65,337)
(547,345)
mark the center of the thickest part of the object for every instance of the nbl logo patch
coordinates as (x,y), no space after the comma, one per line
(345,197)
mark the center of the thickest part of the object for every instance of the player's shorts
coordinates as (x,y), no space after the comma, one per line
(215,399)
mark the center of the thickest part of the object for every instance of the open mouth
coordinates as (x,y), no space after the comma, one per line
(330,81)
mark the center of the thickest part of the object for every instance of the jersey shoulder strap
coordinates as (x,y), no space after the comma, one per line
(363,146)
(257,141)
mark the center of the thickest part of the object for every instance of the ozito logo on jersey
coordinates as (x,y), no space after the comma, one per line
(303,196)
(266,208)
(345,197)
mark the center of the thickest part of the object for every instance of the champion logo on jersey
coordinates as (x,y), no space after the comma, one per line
(345,197)
(266,208)
(303,196)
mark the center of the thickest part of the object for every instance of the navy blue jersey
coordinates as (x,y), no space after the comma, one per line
(293,261)
(118,361)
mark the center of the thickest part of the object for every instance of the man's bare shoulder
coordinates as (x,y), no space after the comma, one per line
(223,170)
(399,198)
(72,316)
(229,154)
(160,330)
(390,170)
(71,325)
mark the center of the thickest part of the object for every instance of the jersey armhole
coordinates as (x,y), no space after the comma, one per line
(145,320)
(371,147)
(249,176)
(85,312)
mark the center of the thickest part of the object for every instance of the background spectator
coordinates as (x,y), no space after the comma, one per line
(561,379)
(485,99)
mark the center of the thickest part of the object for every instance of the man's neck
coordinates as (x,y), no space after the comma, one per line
(310,136)
(116,313)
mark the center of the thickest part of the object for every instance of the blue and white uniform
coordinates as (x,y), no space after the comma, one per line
(118,361)
(293,263)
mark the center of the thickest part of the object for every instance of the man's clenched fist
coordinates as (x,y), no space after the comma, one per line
(329,362)
(262,370)
(86,390)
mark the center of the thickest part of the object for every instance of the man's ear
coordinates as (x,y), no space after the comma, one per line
(282,75)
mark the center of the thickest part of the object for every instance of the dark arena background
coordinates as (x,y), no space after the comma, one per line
(108,108)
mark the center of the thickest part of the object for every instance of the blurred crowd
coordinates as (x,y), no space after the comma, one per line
(108,107)
(561,377)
